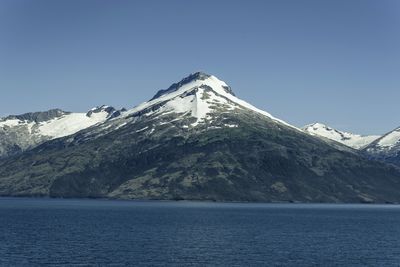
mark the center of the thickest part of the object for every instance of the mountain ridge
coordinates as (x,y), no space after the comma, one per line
(352,140)
(21,132)
(386,148)
(198,141)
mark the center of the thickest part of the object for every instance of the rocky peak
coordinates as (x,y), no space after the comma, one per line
(197,76)
(98,109)
(38,116)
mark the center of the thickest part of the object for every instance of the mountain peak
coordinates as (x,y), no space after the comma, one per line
(196,76)
(199,75)
(102,108)
(317,125)
(201,95)
(389,141)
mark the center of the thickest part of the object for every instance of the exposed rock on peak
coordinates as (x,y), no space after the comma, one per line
(200,96)
(197,76)
(37,116)
(103,108)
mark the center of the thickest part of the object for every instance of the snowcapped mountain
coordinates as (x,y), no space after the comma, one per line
(386,148)
(199,95)
(355,141)
(194,140)
(198,102)
(21,132)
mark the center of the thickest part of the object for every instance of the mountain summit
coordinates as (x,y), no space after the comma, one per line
(197,140)
(199,95)
(197,76)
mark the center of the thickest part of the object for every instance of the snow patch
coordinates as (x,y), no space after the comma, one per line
(231,125)
(70,124)
(141,130)
(10,123)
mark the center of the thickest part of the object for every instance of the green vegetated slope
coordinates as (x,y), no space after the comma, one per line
(259,160)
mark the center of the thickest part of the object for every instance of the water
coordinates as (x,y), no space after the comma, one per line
(37,232)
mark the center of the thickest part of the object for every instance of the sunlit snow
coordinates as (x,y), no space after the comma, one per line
(349,139)
(390,140)
(198,104)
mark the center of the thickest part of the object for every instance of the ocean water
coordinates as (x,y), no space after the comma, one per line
(54,232)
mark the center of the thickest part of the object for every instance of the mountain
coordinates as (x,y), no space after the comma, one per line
(386,148)
(355,141)
(21,132)
(197,140)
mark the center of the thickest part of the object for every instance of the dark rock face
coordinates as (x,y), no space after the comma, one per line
(229,90)
(104,108)
(38,116)
(173,87)
(389,158)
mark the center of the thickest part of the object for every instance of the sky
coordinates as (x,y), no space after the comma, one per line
(335,62)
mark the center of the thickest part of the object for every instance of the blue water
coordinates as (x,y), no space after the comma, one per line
(37,232)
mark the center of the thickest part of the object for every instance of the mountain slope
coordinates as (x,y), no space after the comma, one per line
(22,132)
(386,148)
(355,141)
(196,140)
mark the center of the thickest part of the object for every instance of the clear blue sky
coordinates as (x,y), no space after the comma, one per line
(336,62)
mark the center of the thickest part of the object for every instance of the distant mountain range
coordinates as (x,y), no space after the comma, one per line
(22,132)
(193,140)
(349,139)
(385,148)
